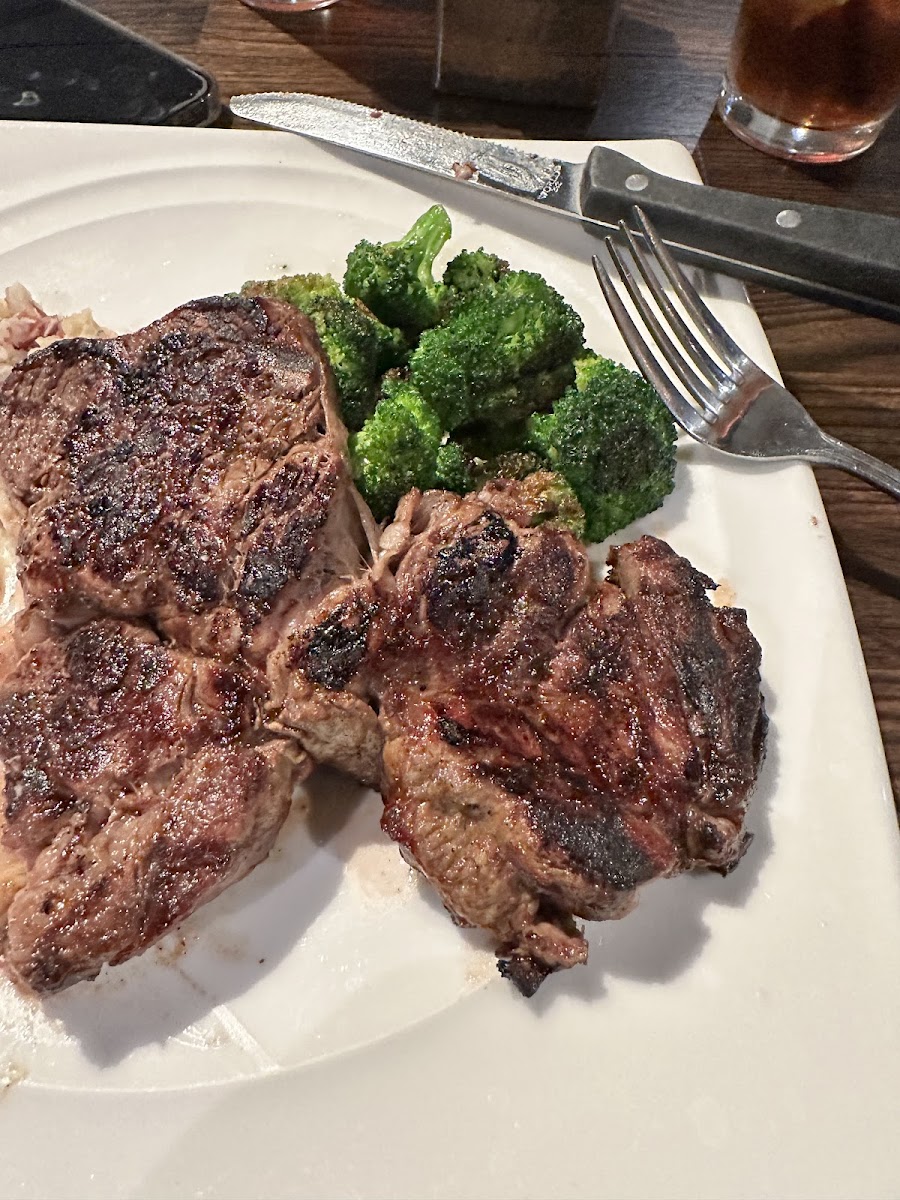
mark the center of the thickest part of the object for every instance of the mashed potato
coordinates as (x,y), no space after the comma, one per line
(24,326)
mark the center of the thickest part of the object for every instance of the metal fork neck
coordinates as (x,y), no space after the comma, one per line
(833,453)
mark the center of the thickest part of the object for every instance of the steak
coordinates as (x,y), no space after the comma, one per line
(180,495)
(192,473)
(545,744)
(137,787)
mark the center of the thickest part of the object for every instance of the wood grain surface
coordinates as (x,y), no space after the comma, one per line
(662,76)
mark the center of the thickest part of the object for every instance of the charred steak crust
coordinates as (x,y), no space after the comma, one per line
(460,591)
(137,785)
(332,651)
(550,744)
(192,472)
(316,691)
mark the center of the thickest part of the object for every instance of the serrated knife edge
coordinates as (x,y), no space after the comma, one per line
(456,156)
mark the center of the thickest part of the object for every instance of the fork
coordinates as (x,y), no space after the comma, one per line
(734,405)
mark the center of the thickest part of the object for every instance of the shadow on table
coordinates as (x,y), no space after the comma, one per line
(655,87)
(859,566)
(656,84)
(388,46)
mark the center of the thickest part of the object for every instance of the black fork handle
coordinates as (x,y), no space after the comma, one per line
(831,254)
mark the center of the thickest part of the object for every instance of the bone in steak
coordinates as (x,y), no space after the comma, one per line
(193,472)
(545,743)
(137,788)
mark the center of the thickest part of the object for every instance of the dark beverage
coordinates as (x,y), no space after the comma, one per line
(801,70)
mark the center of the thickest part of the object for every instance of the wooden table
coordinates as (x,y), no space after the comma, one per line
(664,69)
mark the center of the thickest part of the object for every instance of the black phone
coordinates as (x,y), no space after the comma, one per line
(60,61)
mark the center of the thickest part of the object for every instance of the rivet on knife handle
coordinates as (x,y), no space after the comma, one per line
(831,254)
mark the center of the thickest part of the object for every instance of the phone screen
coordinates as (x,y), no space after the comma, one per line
(60,62)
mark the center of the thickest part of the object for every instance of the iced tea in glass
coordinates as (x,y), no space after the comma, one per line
(813,79)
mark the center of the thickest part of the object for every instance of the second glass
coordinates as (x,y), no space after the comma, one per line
(287,6)
(813,80)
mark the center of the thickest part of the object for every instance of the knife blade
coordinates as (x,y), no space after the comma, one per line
(831,254)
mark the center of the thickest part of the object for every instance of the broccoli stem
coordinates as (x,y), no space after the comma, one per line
(395,279)
(425,240)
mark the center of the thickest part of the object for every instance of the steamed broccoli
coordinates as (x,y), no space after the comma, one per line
(512,402)
(503,353)
(500,451)
(397,448)
(612,438)
(472,271)
(395,280)
(359,347)
(486,440)
(453,468)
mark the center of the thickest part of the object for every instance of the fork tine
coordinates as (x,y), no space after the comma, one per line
(681,409)
(684,334)
(698,389)
(719,337)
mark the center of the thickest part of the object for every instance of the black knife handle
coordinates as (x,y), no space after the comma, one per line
(831,254)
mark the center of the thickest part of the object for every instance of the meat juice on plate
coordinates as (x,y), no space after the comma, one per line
(822,63)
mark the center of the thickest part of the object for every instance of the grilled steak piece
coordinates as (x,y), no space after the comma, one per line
(136,787)
(191,479)
(192,472)
(323,684)
(550,743)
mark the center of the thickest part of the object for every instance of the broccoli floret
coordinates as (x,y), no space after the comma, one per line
(471,272)
(613,440)
(511,403)
(487,441)
(395,279)
(500,451)
(453,468)
(502,354)
(296,289)
(397,448)
(503,454)
(359,347)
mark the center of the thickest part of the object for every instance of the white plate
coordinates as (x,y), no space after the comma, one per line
(323,1029)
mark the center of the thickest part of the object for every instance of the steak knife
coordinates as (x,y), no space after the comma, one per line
(830,254)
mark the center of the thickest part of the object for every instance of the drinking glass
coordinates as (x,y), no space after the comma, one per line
(813,80)
(287,6)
